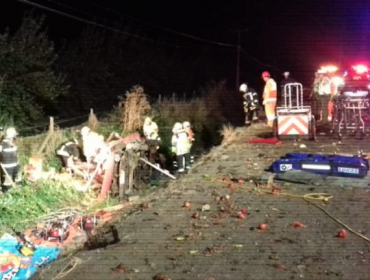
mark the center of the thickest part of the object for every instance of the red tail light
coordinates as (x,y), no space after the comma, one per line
(360,69)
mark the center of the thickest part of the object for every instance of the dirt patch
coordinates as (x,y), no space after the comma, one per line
(201,227)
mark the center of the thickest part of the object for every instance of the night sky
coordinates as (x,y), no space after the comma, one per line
(296,36)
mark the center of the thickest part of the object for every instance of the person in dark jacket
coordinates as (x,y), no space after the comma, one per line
(250,103)
(70,153)
(9,160)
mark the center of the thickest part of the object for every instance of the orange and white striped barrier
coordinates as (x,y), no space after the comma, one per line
(293,125)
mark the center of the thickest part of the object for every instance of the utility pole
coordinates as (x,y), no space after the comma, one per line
(238,52)
(238,48)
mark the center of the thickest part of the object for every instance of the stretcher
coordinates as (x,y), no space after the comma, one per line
(293,119)
(331,165)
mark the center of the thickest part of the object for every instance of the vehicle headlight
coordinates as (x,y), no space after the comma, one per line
(338,81)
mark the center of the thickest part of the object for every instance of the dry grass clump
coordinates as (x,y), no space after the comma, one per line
(93,122)
(134,108)
(229,134)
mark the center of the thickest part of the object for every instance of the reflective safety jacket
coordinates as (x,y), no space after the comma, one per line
(9,153)
(180,143)
(325,86)
(69,149)
(151,131)
(250,100)
(270,91)
(92,144)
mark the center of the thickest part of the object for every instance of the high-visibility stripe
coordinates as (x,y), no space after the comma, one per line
(8,165)
(268,100)
(293,125)
(316,166)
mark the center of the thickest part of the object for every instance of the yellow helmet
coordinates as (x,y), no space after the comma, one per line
(177,127)
(10,133)
(186,124)
(85,130)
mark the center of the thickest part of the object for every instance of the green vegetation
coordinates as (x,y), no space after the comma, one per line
(21,206)
(29,84)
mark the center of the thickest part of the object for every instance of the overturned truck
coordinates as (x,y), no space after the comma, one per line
(130,163)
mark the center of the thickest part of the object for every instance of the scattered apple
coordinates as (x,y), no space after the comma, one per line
(244,211)
(187,204)
(298,224)
(240,215)
(262,226)
(195,215)
(342,233)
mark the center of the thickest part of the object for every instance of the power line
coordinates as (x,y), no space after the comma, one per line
(254,59)
(93,23)
(165,28)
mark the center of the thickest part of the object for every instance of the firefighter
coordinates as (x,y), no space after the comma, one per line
(315,96)
(93,143)
(269,97)
(9,160)
(150,129)
(187,127)
(324,96)
(250,103)
(181,147)
(70,154)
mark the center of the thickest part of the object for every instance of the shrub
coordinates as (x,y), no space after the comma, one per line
(134,108)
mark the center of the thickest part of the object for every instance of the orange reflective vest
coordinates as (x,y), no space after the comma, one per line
(270,91)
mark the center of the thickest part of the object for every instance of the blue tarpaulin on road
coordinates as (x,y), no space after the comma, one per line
(15,266)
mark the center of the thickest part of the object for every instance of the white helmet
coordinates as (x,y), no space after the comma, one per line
(10,133)
(243,87)
(85,130)
(147,121)
(177,127)
(186,124)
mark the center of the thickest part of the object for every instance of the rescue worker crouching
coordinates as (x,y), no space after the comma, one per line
(95,149)
(181,147)
(250,103)
(269,97)
(70,154)
(150,130)
(187,127)
(9,160)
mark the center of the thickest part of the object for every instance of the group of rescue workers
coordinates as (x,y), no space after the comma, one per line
(181,142)
(93,152)
(80,159)
(325,88)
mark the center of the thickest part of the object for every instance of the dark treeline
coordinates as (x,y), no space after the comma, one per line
(91,71)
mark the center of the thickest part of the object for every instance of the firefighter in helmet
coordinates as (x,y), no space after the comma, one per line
(324,96)
(93,144)
(250,103)
(9,160)
(187,127)
(181,147)
(150,129)
(269,97)
(70,154)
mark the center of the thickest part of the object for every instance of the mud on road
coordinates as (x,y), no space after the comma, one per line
(217,234)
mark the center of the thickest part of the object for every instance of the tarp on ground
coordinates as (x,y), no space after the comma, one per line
(15,266)
(307,178)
